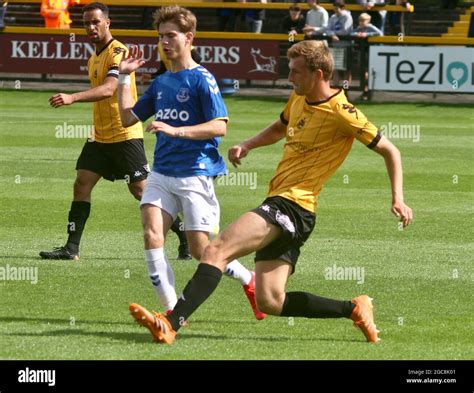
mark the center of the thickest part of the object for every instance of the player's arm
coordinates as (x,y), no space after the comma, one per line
(270,135)
(393,162)
(130,63)
(353,123)
(105,90)
(126,102)
(207,130)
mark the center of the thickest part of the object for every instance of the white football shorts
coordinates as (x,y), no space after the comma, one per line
(193,196)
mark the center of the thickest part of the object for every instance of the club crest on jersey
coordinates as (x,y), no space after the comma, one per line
(118,51)
(183,94)
(301,123)
(350,109)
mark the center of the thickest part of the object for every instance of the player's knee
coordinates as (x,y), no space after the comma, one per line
(212,253)
(196,250)
(153,238)
(82,188)
(269,303)
(136,191)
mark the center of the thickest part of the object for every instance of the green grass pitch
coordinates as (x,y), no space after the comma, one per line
(421,278)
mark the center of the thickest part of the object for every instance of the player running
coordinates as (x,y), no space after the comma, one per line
(319,125)
(190,118)
(113,151)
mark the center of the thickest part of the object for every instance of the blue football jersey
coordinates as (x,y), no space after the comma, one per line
(184,98)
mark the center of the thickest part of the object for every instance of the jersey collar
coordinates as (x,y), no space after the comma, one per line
(323,101)
(106,45)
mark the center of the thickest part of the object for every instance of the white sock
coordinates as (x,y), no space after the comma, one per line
(161,276)
(238,272)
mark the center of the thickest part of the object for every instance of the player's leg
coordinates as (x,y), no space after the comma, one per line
(158,209)
(156,223)
(80,207)
(271,280)
(91,166)
(249,233)
(183,249)
(202,212)
(234,269)
(131,164)
(272,276)
(136,189)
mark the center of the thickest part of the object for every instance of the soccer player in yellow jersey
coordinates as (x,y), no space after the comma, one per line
(113,151)
(319,126)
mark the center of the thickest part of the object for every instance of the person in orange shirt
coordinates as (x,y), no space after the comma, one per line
(56,14)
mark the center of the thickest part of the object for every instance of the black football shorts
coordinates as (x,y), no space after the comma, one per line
(122,160)
(296,222)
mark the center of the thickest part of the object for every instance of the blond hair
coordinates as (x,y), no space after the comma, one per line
(317,56)
(365,16)
(180,16)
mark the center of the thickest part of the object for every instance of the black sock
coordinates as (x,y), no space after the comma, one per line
(304,304)
(199,288)
(76,222)
(178,228)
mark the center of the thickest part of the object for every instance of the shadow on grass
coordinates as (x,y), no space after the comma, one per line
(63,321)
(88,258)
(144,336)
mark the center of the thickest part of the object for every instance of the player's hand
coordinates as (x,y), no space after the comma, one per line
(159,126)
(61,99)
(236,153)
(132,61)
(403,212)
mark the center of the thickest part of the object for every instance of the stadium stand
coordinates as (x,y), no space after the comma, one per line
(460,28)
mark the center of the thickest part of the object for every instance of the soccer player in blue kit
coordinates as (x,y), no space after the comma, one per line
(190,117)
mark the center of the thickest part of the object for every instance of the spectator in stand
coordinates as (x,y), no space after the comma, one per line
(340,23)
(365,28)
(227,18)
(254,17)
(378,17)
(56,14)
(3,11)
(316,20)
(294,22)
(394,17)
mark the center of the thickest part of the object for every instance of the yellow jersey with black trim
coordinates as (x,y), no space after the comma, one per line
(319,136)
(107,125)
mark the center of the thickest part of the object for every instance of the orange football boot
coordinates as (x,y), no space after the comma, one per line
(159,327)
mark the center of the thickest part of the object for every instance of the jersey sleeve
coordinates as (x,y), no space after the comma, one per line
(285,115)
(353,123)
(145,106)
(212,103)
(113,60)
